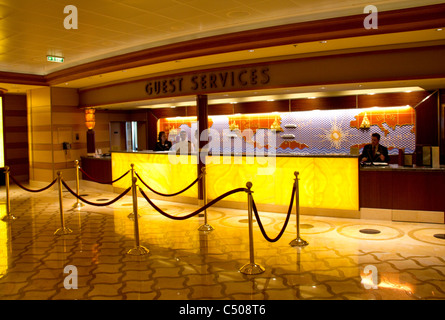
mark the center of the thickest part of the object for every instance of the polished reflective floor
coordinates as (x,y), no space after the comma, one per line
(403,261)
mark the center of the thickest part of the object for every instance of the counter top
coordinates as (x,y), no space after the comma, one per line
(396,167)
(108,158)
(247,154)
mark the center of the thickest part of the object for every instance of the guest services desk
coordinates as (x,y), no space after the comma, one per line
(328,185)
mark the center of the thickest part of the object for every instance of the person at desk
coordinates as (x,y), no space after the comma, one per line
(163,144)
(374,152)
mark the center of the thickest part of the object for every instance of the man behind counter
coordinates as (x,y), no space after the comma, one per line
(374,152)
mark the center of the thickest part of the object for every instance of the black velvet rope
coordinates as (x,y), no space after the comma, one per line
(168,195)
(92,203)
(30,190)
(211,203)
(257,216)
(103,182)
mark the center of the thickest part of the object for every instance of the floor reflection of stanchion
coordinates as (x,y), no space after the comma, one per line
(62,229)
(9,216)
(138,250)
(78,204)
(206,226)
(251,268)
(131,215)
(298,242)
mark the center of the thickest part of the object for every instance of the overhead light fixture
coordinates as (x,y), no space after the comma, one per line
(439,29)
(324,41)
(55,59)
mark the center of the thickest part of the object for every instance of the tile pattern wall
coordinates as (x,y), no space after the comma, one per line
(305,132)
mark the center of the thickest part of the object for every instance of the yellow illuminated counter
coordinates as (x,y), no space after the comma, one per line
(328,185)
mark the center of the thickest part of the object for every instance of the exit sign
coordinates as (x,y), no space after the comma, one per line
(55,59)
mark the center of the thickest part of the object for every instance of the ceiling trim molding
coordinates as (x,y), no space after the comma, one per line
(23,78)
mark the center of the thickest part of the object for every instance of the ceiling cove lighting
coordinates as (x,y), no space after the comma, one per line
(55,59)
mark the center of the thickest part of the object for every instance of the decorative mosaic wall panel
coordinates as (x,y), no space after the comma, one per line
(308,132)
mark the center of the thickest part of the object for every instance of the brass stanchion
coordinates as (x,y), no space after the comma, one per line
(298,242)
(78,204)
(131,215)
(8,216)
(62,230)
(206,226)
(138,250)
(251,268)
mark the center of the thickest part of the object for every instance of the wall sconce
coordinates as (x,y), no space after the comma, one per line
(90,118)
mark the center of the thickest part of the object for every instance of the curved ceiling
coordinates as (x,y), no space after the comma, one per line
(30,30)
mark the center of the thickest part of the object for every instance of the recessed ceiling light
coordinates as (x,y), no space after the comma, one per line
(439,29)
(251,50)
(324,41)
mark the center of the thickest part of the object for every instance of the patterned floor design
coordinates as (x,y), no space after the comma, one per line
(406,261)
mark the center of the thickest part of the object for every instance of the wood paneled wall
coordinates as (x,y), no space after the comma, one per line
(15,131)
(54,118)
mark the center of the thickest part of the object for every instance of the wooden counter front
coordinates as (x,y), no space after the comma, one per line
(404,188)
(97,168)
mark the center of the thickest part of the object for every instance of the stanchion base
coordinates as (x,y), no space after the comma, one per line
(9,217)
(131,216)
(62,231)
(206,227)
(298,242)
(78,205)
(251,269)
(138,251)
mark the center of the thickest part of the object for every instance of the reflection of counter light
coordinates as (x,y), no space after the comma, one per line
(288,136)
(290,126)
